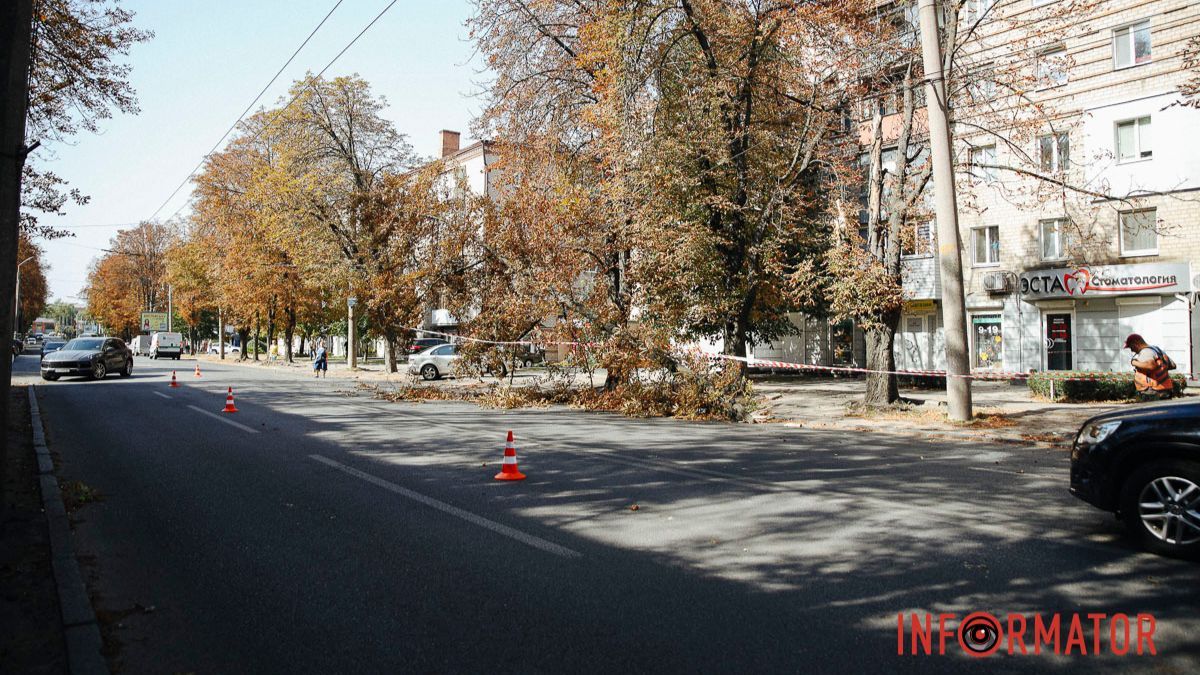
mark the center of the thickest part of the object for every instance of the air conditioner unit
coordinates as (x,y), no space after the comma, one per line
(997,282)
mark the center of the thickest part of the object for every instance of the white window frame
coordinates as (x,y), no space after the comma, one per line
(1047,82)
(975,343)
(1129,29)
(1056,160)
(1062,238)
(989,241)
(1138,154)
(931,241)
(985,174)
(1137,253)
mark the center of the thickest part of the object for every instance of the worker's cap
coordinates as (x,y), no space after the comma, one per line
(1133,340)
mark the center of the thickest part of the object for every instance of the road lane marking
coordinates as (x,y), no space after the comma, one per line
(1013,473)
(230,422)
(527,539)
(159,393)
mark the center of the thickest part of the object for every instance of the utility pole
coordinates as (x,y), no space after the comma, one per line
(169,313)
(954,311)
(16,26)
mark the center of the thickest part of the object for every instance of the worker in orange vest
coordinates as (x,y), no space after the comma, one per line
(1151,369)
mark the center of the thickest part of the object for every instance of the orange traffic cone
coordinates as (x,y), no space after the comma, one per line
(173,382)
(509,471)
(229,407)
(198,370)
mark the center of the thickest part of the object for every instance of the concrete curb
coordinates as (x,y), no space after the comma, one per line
(80,630)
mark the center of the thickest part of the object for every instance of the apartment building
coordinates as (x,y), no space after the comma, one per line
(1057,274)
(470,164)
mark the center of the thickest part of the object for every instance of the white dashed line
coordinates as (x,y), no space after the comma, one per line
(159,393)
(230,422)
(527,539)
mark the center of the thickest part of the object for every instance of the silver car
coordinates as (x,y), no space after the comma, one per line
(434,362)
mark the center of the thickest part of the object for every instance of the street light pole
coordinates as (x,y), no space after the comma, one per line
(17,299)
(954,312)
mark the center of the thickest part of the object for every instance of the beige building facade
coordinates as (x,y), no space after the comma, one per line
(1058,273)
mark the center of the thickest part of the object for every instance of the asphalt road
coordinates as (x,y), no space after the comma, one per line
(319,530)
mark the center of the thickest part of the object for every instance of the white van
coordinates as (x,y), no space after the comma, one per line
(140,345)
(169,345)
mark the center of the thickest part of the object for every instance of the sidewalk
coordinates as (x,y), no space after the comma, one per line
(1005,412)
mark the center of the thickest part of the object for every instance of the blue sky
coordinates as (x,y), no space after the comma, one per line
(205,64)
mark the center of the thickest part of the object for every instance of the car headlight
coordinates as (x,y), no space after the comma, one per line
(1093,434)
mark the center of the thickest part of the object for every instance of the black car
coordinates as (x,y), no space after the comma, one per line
(51,345)
(1143,464)
(94,357)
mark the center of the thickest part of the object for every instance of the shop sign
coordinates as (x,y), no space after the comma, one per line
(919,305)
(1107,280)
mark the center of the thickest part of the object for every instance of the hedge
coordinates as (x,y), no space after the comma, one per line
(1105,386)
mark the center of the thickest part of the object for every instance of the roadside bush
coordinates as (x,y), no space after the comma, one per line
(1106,386)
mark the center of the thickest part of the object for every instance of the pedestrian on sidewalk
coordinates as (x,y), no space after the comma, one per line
(320,360)
(1151,369)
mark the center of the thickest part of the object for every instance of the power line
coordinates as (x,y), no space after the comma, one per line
(296,96)
(239,117)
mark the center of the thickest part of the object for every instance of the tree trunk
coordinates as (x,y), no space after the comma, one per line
(271,311)
(257,325)
(389,338)
(882,389)
(303,338)
(289,332)
(244,337)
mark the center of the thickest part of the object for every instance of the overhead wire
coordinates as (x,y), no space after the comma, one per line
(241,116)
(308,82)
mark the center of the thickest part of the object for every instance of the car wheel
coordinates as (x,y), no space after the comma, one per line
(1161,506)
(99,370)
(50,377)
(528,363)
(430,372)
(127,371)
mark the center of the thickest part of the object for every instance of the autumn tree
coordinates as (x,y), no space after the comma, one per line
(76,81)
(336,149)
(32,280)
(130,278)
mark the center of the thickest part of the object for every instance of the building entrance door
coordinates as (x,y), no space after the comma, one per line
(1059,346)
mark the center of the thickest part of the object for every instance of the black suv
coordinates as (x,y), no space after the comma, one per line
(1143,464)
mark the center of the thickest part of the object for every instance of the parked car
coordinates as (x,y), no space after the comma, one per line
(421,344)
(50,345)
(439,360)
(1143,464)
(94,357)
(434,362)
(229,349)
(529,357)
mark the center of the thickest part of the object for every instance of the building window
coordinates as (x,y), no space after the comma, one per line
(1052,66)
(983,163)
(988,351)
(919,242)
(1139,235)
(1055,152)
(1054,238)
(982,87)
(1131,45)
(977,10)
(1134,140)
(986,245)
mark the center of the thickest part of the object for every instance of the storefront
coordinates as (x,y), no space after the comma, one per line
(1078,318)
